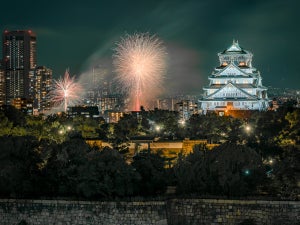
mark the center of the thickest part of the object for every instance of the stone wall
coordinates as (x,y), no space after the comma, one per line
(44,212)
(211,211)
(169,212)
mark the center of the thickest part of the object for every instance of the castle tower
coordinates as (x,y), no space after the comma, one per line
(234,84)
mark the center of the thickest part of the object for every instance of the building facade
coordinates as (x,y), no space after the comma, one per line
(186,108)
(42,81)
(235,84)
(23,104)
(19,60)
(2,87)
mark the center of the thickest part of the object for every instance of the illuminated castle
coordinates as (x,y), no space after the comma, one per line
(235,84)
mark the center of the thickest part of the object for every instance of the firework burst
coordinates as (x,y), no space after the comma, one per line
(140,63)
(66,91)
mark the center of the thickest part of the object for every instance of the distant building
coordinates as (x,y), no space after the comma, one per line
(109,103)
(24,105)
(42,81)
(169,103)
(234,84)
(186,109)
(19,59)
(2,87)
(166,103)
(87,111)
(114,117)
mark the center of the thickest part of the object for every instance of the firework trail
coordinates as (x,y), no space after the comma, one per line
(66,91)
(140,63)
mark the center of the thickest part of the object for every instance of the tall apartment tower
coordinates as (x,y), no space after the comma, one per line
(19,61)
(41,85)
(2,86)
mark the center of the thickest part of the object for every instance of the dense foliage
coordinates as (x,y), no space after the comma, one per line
(49,157)
(228,170)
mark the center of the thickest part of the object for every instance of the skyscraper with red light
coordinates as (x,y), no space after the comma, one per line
(19,60)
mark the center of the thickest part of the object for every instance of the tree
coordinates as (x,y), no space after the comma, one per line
(86,126)
(239,169)
(14,115)
(287,174)
(228,169)
(37,127)
(150,166)
(106,174)
(167,120)
(5,125)
(215,128)
(121,132)
(61,172)
(193,173)
(19,172)
(267,126)
(291,133)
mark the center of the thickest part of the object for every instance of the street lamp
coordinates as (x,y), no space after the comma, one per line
(157,128)
(182,122)
(248,128)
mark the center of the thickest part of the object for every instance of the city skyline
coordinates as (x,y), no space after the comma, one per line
(82,35)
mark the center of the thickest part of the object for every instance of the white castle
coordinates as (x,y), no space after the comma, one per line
(235,84)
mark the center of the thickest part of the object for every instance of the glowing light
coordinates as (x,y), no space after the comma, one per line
(66,91)
(157,128)
(247,172)
(182,122)
(140,63)
(248,128)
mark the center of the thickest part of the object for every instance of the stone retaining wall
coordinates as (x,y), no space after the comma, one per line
(210,211)
(169,212)
(45,212)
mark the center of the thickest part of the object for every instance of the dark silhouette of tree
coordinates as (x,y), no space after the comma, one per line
(286,174)
(150,166)
(290,134)
(87,127)
(124,129)
(61,173)
(167,120)
(229,169)
(193,173)
(215,128)
(5,125)
(19,172)
(106,174)
(14,115)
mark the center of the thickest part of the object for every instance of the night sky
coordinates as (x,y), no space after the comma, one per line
(81,34)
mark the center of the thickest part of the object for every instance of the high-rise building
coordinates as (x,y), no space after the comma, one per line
(2,86)
(234,84)
(42,81)
(109,103)
(19,59)
(186,109)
